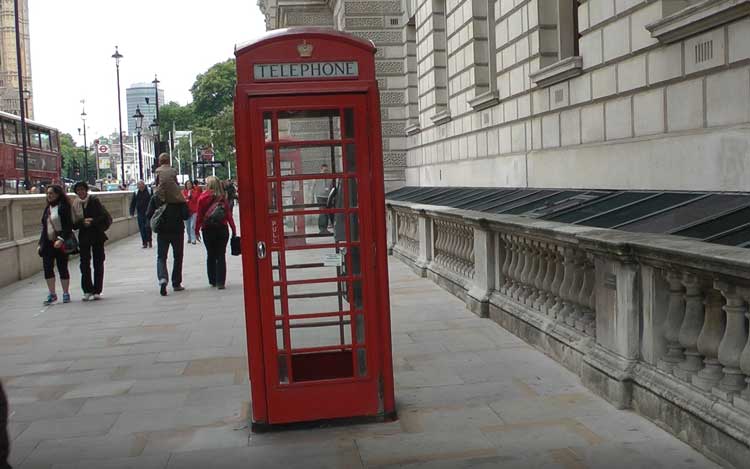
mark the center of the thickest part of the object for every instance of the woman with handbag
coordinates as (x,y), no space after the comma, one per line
(192,195)
(215,218)
(56,241)
(92,220)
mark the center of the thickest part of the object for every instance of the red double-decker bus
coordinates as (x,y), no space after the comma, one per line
(43,149)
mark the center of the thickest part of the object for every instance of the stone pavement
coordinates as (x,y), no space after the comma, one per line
(140,381)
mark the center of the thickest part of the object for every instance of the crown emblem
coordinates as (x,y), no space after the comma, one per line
(305,49)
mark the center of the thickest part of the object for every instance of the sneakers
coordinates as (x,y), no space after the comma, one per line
(87,297)
(220,287)
(163,289)
(178,288)
(97,296)
(51,298)
(66,297)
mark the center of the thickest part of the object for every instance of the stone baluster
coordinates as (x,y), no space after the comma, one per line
(586,311)
(743,399)
(546,277)
(510,276)
(568,279)
(528,261)
(675,316)
(692,324)
(521,253)
(470,254)
(507,251)
(591,302)
(734,339)
(452,246)
(709,340)
(574,309)
(532,291)
(554,301)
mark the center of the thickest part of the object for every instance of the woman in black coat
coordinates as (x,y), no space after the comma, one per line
(57,226)
(91,219)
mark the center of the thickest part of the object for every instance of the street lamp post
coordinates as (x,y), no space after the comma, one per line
(24,133)
(138,116)
(26,97)
(155,124)
(85,148)
(117,56)
(154,127)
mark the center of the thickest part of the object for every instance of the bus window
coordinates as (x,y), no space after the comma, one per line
(44,136)
(10,131)
(54,143)
(34,138)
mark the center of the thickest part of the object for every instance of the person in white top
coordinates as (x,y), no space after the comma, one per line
(57,227)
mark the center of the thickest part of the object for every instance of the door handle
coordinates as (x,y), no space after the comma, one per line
(261,250)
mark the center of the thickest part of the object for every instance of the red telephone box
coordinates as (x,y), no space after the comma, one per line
(317,312)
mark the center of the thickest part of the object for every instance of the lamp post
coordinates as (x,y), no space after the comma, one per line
(24,132)
(155,125)
(85,148)
(138,116)
(117,56)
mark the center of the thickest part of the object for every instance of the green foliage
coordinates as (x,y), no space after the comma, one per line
(73,159)
(213,90)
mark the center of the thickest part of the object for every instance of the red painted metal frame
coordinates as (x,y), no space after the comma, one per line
(279,47)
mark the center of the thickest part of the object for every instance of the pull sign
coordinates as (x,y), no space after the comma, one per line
(333,260)
(306,70)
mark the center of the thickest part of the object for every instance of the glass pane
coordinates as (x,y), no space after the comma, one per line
(280,335)
(361,362)
(349,123)
(717,225)
(639,210)
(278,307)
(267,127)
(283,370)
(317,298)
(354,227)
(351,157)
(309,125)
(312,160)
(600,206)
(317,263)
(273,206)
(356,294)
(275,267)
(300,230)
(359,326)
(320,332)
(45,141)
(34,138)
(270,170)
(353,193)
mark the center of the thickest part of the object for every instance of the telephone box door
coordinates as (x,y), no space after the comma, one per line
(319,325)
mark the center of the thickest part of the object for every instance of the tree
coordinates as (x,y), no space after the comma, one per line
(213,90)
(173,114)
(73,156)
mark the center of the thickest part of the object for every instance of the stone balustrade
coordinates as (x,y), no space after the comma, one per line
(20,224)
(655,323)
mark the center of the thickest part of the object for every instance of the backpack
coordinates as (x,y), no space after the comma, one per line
(157,220)
(215,214)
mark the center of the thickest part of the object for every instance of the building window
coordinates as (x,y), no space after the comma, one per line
(433,60)
(485,55)
(412,82)
(558,42)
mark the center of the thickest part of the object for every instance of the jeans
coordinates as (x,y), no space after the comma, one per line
(215,238)
(89,252)
(4,439)
(163,241)
(144,226)
(190,227)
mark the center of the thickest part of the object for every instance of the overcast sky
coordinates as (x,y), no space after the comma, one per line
(72,42)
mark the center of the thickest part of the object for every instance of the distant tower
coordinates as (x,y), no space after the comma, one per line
(136,95)
(8,66)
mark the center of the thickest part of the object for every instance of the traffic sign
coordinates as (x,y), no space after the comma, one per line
(103,149)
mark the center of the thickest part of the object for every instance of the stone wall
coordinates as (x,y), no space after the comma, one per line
(654,323)
(20,224)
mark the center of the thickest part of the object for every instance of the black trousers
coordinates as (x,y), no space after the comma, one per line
(53,256)
(163,241)
(89,252)
(215,238)
(4,439)
(144,227)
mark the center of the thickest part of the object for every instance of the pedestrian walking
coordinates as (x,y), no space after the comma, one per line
(139,207)
(191,194)
(215,219)
(231,191)
(4,439)
(57,227)
(92,221)
(321,191)
(168,222)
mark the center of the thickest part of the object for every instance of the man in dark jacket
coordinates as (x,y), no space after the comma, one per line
(139,206)
(171,231)
(92,221)
(4,440)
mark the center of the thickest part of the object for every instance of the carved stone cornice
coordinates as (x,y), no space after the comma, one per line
(698,18)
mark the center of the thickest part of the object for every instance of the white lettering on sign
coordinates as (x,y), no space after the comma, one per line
(306,70)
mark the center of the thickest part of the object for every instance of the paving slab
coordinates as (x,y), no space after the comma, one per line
(141,381)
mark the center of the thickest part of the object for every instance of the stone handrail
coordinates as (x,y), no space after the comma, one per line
(651,322)
(20,223)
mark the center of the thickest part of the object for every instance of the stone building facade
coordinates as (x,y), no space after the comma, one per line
(636,94)
(9,99)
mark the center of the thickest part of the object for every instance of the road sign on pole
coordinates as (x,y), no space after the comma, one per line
(207,154)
